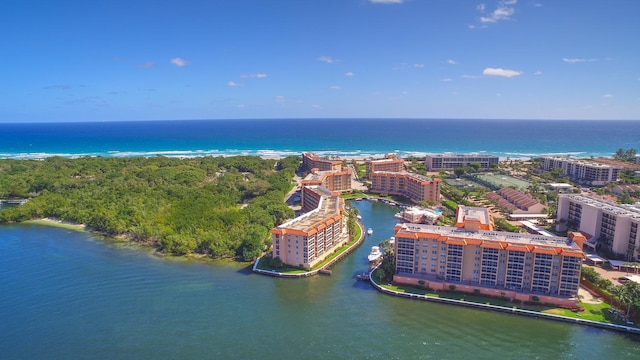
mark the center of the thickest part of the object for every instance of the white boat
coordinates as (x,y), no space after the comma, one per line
(369,231)
(375,254)
(359,217)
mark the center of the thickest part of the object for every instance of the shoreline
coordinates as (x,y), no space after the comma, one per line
(57,223)
(513,310)
(358,155)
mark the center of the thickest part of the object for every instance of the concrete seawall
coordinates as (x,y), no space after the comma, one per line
(314,272)
(502,309)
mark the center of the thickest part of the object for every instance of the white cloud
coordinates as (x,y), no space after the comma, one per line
(235,84)
(334,87)
(451,62)
(504,11)
(500,72)
(386,1)
(607,96)
(316,106)
(537,72)
(327,59)
(446,79)
(466,76)
(179,62)
(419,66)
(577,60)
(254,76)
(349,74)
(280,99)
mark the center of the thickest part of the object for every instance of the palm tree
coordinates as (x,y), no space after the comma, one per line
(633,292)
(618,293)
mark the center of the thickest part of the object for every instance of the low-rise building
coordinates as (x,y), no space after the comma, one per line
(418,215)
(468,258)
(517,202)
(437,162)
(308,239)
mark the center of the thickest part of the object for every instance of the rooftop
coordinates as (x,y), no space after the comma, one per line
(328,207)
(495,236)
(622,210)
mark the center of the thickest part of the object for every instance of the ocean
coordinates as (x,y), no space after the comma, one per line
(340,137)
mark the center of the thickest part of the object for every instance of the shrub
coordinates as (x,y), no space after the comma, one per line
(535,298)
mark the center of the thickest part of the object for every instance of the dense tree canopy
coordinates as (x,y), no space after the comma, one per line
(222,207)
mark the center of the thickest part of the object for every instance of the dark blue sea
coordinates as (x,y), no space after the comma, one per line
(341,137)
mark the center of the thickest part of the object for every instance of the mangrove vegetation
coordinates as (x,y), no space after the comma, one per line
(215,206)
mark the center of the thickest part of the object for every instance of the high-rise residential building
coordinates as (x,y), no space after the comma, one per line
(415,187)
(472,257)
(335,180)
(437,162)
(610,227)
(390,163)
(308,239)
(314,161)
(583,171)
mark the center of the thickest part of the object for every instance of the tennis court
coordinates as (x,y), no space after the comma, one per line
(502,181)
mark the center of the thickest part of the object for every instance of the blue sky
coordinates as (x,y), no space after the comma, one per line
(118,60)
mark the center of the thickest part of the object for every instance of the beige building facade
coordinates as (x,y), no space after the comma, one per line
(437,162)
(306,240)
(513,265)
(611,227)
(415,187)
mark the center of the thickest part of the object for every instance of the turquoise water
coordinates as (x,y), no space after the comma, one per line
(342,137)
(66,294)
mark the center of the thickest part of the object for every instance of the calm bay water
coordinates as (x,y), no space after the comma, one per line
(65,294)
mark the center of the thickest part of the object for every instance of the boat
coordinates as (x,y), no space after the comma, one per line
(369,231)
(359,217)
(375,254)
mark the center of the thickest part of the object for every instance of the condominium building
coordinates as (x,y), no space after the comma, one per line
(335,180)
(415,187)
(520,266)
(391,163)
(314,161)
(309,238)
(584,171)
(437,162)
(611,228)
